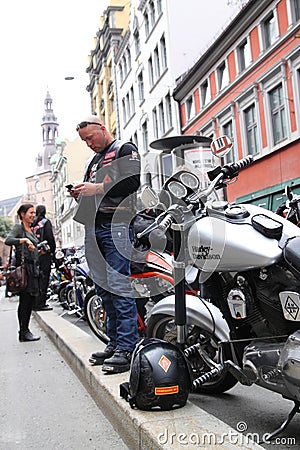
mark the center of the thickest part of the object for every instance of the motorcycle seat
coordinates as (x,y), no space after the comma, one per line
(291,254)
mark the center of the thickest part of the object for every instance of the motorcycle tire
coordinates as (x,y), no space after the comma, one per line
(62,295)
(95,315)
(163,326)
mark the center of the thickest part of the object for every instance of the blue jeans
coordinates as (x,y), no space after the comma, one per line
(113,285)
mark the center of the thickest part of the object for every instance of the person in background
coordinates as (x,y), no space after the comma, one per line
(107,199)
(44,232)
(22,234)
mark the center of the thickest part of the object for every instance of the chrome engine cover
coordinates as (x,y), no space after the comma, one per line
(275,366)
(289,364)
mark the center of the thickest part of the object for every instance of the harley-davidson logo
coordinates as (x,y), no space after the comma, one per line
(291,307)
(164,363)
(203,253)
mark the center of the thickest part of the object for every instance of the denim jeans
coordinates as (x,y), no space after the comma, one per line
(114,241)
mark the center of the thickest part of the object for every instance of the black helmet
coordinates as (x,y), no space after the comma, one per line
(159,376)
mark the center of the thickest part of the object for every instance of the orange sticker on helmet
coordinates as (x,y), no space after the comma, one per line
(166,390)
(164,363)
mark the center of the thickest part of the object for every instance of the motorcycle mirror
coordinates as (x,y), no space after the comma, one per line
(221,146)
(149,197)
(288,192)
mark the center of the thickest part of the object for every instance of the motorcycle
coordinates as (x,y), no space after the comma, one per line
(151,280)
(78,286)
(290,209)
(245,327)
(60,277)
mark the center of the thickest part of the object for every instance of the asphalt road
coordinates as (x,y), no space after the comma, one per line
(43,405)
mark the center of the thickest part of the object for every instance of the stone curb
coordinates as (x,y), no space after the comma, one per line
(184,428)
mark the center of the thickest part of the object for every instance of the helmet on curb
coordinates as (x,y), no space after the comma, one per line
(159,378)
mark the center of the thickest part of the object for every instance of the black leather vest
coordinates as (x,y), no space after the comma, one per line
(105,169)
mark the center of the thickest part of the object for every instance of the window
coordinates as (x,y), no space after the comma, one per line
(151,73)
(141,87)
(250,121)
(156,63)
(244,55)
(137,43)
(155,123)
(296,9)
(205,93)
(227,130)
(162,118)
(132,102)
(124,110)
(222,74)
(128,59)
(145,136)
(121,73)
(190,108)
(159,7)
(152,12)
(128,112)
(269,31)
(169,112)
(163,52)
(146,20)
(277,110)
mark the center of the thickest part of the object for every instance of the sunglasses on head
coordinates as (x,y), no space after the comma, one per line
(85,124)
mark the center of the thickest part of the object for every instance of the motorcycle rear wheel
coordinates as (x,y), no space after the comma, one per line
(163,326)
(95,315)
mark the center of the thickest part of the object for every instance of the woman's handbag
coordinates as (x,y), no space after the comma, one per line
(16,279)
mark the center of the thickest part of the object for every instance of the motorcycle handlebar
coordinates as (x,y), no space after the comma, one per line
(232,170)
(166,223)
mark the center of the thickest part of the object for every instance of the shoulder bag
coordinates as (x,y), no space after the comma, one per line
(16,278)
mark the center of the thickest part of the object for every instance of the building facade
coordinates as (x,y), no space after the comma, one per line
(101,68)
(67,166)
(158,43)
(247,86)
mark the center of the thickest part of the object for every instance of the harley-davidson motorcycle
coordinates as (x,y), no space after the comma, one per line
(245,325)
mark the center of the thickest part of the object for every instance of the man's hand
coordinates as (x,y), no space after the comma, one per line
(87,189)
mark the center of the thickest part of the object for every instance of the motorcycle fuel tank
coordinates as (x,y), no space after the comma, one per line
(224,242)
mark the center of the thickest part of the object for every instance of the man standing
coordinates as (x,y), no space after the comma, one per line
(44,232)
(107,199)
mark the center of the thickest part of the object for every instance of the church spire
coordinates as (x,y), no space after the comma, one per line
(50,133)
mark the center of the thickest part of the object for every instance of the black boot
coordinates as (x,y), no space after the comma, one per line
(98,358)
(118,363)
(27,336)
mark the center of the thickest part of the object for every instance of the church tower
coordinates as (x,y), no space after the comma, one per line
(49,133)
(39,185)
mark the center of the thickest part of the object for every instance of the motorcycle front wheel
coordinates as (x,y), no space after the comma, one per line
(95,315)
(163,326)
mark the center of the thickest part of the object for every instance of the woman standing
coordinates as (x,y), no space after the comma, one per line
(20,235)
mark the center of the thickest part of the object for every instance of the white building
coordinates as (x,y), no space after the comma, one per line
(162,42)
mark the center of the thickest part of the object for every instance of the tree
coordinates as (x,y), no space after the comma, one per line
(5,226)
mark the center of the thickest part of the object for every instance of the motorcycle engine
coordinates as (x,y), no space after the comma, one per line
(255,301)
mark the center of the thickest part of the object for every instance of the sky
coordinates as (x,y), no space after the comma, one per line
(41,43)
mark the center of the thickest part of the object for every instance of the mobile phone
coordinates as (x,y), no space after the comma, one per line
(69,186)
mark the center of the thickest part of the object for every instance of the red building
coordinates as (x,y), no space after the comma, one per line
(247,85)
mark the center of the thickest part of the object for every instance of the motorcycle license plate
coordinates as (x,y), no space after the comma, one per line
(290,303)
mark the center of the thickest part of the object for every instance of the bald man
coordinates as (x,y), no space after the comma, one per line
(107,200)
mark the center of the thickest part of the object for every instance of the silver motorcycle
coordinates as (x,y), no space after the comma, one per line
(245,324)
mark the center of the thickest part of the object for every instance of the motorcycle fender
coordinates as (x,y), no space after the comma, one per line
(199,312)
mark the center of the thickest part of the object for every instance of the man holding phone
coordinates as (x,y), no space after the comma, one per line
(106,205)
